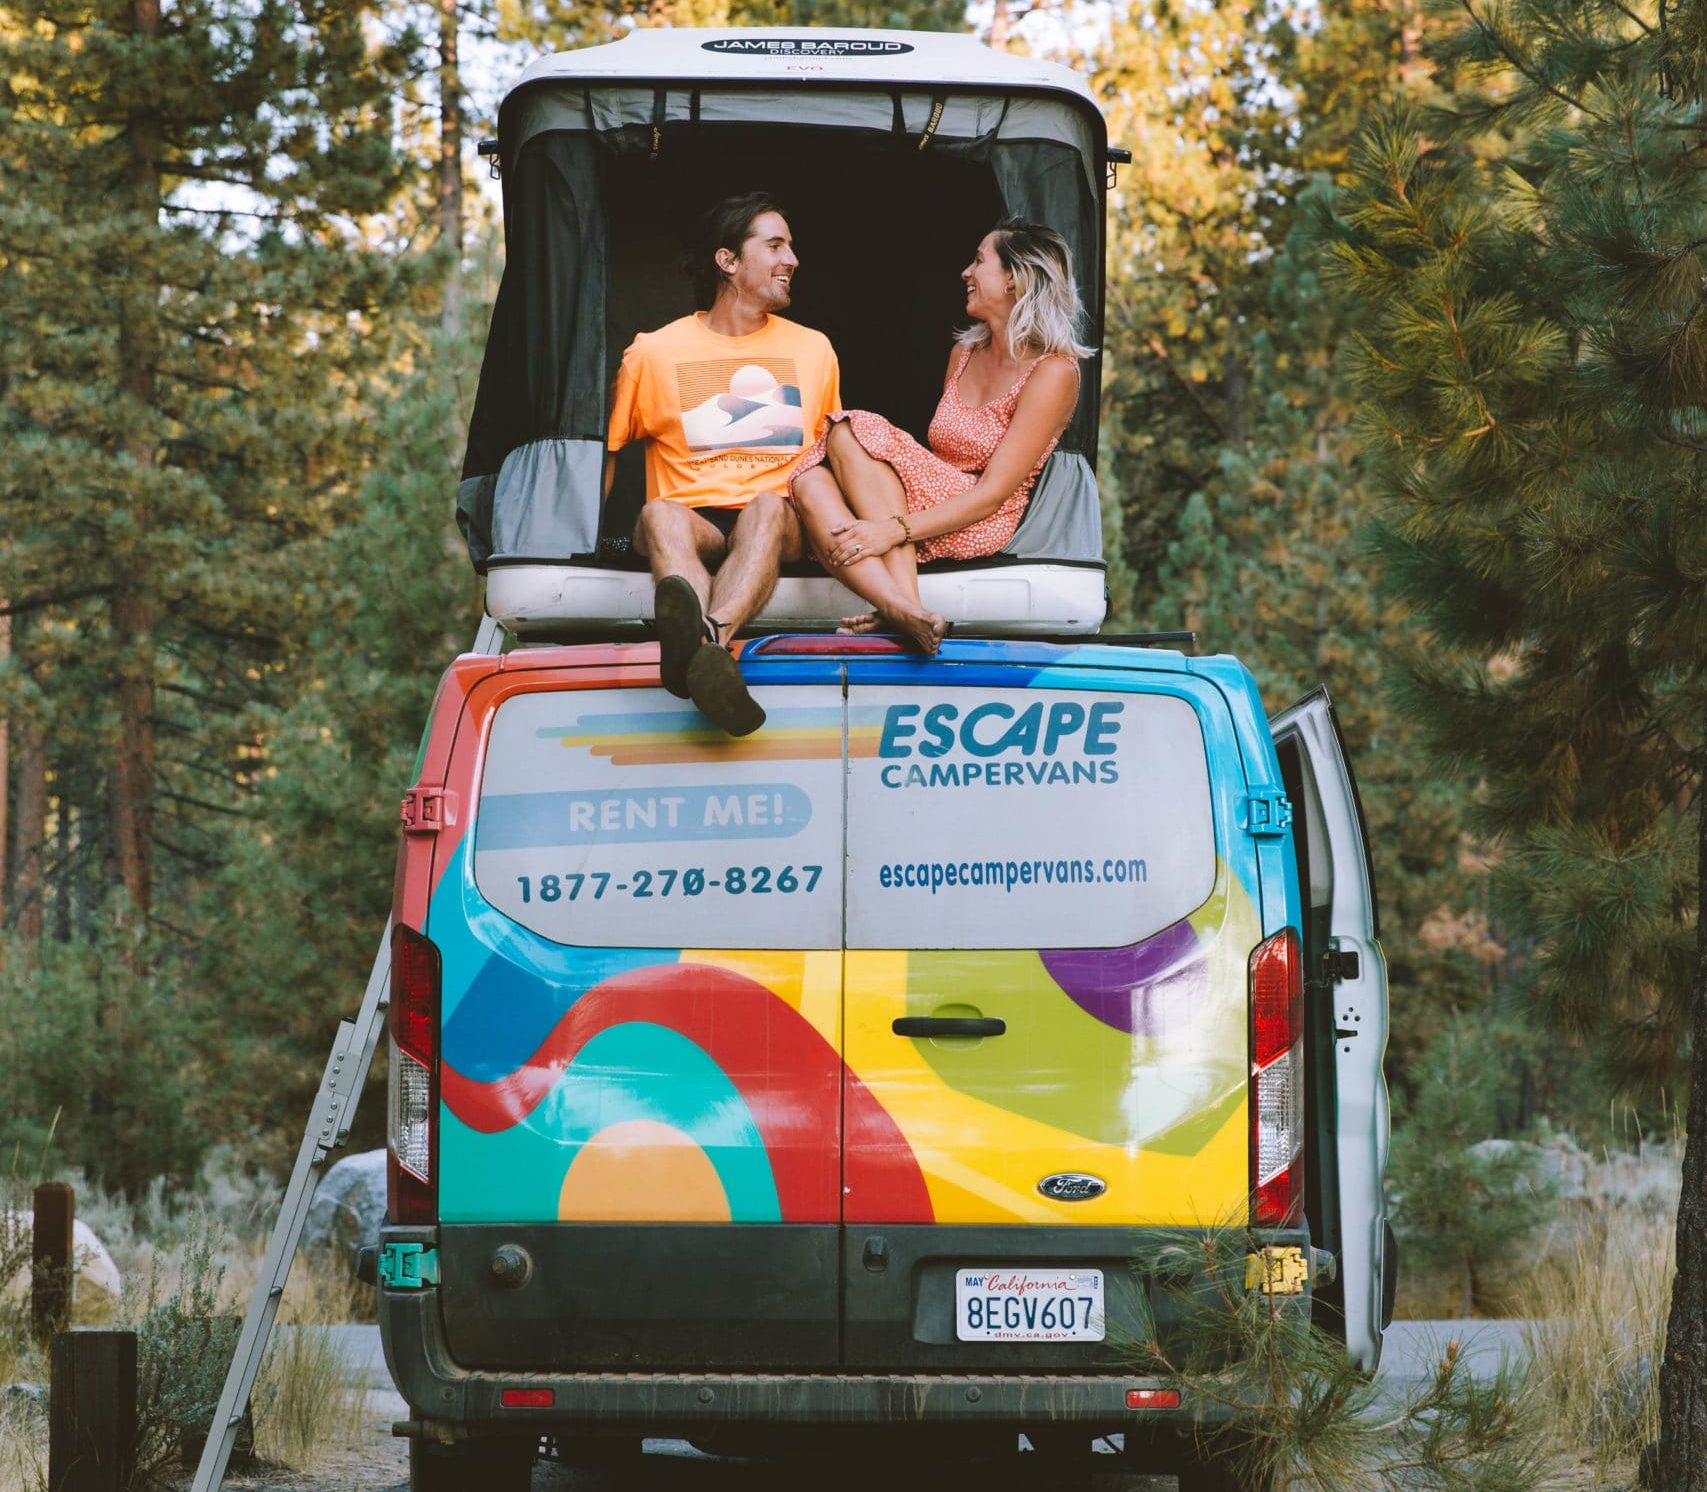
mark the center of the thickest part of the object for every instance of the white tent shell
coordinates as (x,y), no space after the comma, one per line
(924,59)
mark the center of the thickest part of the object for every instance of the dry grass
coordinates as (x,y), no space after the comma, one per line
(306,1412)
(23,1426)
(23,1446)
(306,1409)
(1600,1311)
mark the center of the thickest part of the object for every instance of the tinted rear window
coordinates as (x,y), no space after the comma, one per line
(1024,818)
(622,818)
(974,818)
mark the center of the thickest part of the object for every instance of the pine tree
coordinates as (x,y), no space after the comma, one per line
(295,915)
(195,304)
(1228,438)
(189,318)
(1535,371)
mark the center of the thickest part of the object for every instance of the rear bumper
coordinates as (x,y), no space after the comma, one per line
(449,1394)
(681,1404)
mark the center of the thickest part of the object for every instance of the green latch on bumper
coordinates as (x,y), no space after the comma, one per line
(408,1266)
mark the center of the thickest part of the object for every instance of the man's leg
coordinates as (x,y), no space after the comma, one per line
(681,548)
(766,535)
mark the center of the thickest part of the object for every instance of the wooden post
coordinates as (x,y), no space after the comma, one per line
(91,1415)
(52,1259)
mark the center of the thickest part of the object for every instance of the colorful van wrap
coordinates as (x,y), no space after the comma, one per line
(603,1059)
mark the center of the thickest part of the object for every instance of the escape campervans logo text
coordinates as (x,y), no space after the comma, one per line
(1055,744)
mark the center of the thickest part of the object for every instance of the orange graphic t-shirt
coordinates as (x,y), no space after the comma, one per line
(725,418)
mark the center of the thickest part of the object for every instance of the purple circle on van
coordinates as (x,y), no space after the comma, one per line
(1148,988)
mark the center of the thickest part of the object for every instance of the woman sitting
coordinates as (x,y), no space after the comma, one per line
(876,504)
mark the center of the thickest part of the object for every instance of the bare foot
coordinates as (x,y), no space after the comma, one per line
(866,621)
(922,630)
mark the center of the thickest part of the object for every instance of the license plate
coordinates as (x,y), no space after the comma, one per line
(1028,1305)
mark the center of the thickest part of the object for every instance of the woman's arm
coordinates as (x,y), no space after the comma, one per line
(1045,405)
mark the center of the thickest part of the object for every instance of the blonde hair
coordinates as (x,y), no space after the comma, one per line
(1047,310)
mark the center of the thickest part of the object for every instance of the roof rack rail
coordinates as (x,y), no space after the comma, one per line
(1122,639)
(640,629)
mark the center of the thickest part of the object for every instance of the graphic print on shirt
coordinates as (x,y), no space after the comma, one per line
(732,403)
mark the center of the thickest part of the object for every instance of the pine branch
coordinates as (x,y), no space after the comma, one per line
(42,599)
(1624,9)
(167,795)
(1492,33)
(1156,346)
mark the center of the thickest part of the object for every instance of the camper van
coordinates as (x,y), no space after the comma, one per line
(820,1087)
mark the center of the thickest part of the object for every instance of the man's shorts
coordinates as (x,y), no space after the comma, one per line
(721,519)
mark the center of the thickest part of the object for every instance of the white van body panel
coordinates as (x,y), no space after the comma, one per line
(1001,600)
(1360,1019)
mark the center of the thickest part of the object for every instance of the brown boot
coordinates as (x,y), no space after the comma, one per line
(716,687)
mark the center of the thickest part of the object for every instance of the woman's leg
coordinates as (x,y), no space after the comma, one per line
(822,507)
(875,491)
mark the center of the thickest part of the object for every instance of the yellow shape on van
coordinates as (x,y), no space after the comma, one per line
(982,1161)
(641,1171)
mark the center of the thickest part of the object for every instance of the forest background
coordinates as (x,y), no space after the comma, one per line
(245,272)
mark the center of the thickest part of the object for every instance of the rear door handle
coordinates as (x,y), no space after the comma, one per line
(949,1025)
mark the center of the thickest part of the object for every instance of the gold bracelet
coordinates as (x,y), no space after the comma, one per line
(906,532)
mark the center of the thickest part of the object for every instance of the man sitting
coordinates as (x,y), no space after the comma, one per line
(727,400)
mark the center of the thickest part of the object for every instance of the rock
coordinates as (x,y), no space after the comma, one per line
(348,1206)
(97,1286)
(31,1398)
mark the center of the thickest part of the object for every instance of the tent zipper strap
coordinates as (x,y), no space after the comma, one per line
(937,106)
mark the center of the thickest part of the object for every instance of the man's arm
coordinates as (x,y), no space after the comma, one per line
(624,424)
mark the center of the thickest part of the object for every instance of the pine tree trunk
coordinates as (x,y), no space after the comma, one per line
(5,774)
(132,606)
(1683,1373)
(29,834)
(450,161)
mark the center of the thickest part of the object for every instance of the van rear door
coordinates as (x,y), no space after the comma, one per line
(1045,992)
(1346,1001)
(641,1073)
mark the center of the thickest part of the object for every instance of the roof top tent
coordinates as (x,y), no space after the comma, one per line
(894,152)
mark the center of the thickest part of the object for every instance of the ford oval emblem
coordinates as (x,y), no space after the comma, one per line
(1072,1186)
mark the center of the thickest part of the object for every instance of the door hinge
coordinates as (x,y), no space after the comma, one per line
(408,1266)
(1278,1270)
(1341,963)
(426,810)
(1268,813)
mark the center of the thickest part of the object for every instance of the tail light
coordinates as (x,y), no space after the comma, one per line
(413,1108)
(1277,1081)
